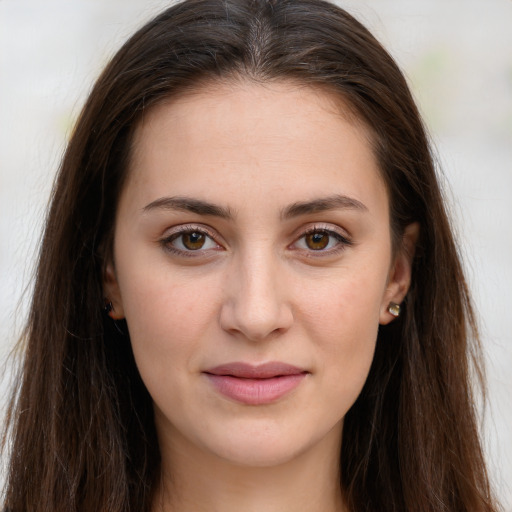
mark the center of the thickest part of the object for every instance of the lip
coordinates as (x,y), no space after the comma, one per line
(255,385)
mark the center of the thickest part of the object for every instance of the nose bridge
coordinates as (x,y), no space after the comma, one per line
(256,304)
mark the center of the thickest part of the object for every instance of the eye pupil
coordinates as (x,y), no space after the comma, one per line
(194,240)
(317,241)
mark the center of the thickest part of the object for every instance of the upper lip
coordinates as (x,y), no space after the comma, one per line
(250,371)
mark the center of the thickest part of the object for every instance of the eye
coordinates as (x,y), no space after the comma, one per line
(317,241)
(188,240)
(322,240)
(192,241)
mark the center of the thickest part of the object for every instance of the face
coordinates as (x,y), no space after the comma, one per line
(253,264)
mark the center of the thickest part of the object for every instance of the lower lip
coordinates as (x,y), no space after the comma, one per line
(255,391)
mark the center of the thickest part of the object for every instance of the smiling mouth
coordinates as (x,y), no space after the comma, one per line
(255,385)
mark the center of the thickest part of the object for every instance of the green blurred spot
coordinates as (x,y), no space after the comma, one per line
(432,78)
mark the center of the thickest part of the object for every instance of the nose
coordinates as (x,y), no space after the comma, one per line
(255,304)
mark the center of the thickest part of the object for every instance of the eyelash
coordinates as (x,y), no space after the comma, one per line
(342,241)
(184,230)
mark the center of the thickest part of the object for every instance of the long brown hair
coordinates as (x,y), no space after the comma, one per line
(81,431)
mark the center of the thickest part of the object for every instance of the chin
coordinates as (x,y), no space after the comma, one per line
(264,454)
(267,444)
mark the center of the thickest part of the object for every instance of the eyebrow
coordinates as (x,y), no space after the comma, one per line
(188,204)
(334,202)
(297,209)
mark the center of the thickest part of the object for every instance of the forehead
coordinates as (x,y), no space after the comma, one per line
(238,103)
(275,138)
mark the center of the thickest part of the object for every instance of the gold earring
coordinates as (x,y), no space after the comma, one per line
(394,309)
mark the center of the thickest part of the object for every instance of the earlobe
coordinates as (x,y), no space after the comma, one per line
(113,305)
(400,275)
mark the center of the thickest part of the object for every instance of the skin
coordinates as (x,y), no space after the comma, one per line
(258,290)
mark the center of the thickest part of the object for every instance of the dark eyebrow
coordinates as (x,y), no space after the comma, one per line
(323,204)
(189,205)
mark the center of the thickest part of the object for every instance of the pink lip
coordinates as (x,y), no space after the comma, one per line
(255,385)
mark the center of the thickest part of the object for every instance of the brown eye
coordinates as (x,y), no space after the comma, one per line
(190,241)
(323,242)
(193,240)
(317,241)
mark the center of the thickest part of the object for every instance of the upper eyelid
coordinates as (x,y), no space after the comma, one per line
(344,240)
(321,226)
(187,228)
(334,234)
(175,232)
(167,241)
(321,229)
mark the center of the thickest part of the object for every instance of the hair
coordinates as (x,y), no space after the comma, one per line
(80,424)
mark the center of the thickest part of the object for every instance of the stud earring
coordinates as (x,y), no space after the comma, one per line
(108,307)
(394,309)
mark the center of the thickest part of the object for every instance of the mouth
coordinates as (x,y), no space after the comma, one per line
(255,385)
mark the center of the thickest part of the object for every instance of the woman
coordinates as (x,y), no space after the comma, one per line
(248,294)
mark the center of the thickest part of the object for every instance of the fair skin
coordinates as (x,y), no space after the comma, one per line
(253,228)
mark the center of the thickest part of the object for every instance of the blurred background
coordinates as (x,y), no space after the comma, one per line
(457,55)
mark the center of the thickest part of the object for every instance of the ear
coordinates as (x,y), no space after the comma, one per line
(399,278)
(112,293)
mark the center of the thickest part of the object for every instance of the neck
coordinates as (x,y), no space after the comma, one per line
(194,480)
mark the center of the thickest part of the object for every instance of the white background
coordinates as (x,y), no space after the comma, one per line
(457,55)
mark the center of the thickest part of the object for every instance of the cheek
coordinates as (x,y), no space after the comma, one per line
(347,304)
(166,318)
(344,321)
